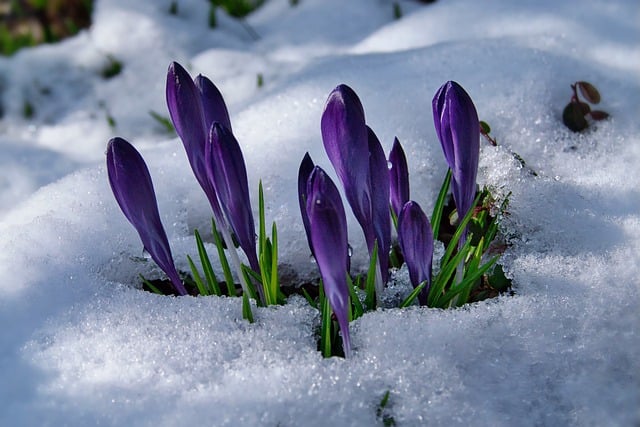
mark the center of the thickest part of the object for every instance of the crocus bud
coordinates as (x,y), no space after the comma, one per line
(184,101)
(306,167)
(132,187)
(416,243)
(458,129)
(398,178)
(328,231)
(213,105)
(346,141)
(381,221)
(227,171)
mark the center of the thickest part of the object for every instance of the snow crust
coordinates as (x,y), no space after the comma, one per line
(81,345)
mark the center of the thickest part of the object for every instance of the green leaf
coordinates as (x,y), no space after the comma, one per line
(413,295)
(202,290)
(467,281)
(370,286)
(165,122)
(228,277)
(212,281)
(484,128)
(446,272)
(325,329)
(246,308)
(459,231)
(436,217)
(151,286)
(358,309)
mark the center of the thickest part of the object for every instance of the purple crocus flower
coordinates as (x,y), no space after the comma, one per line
(379,184)
(416,242)
(306,167)
(458,129)
(361,166)
(184,100)
(398,178)
(346,141)
(227,171)
(132,187)
(328,231)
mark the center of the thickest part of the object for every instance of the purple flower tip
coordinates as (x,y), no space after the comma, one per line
(306,167)
(132,187)
(227,171)
(398,178)
(328,232)
(416,242)
(458,128)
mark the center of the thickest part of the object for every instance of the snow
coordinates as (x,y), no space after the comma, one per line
(82,346)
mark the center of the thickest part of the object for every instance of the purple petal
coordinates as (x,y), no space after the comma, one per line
(398,177)
(379,181)
(345,139)
(458,129)
(306,167)
(185,108)
(416,242)
(328,225)
(213,105)
(132,187)
(227,171)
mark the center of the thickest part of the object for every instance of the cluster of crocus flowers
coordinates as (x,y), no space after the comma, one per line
(201,120)
(376,188)
(359,161)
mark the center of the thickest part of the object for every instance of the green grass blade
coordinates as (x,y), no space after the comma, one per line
(274,282)
(248,273)
(358,309)
(445,274)
(370,287)
(310,300)
(468,280)
(150,286)
(224,263)
(325,329)
(436,217)
(458,234)
(202,289)
(246,308)
(412,296)
(212,281)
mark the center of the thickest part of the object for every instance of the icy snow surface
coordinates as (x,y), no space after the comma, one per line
(80,345)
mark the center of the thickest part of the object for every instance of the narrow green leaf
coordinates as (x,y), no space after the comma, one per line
(468,280)
(202,290)
(445,274)
(274,282)
(247,272)
(325,329)
(310,300)
(228,277)
(151,286)
(246,308)
(358,309)
(212,281)
(413,295)
(370,288)
(458,234)
(436,217)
